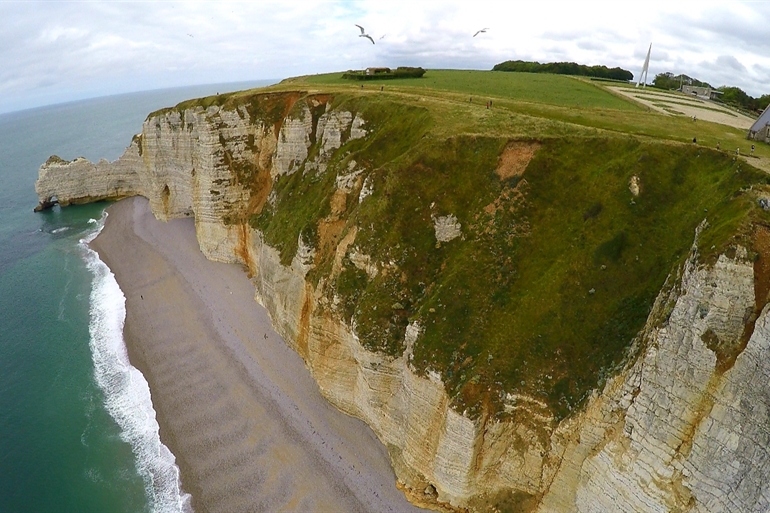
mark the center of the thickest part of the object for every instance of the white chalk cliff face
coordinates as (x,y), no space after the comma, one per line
(678,430)
(81,181)
(685,426)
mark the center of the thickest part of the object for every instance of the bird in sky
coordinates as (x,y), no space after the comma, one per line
(364,34)
(480,31)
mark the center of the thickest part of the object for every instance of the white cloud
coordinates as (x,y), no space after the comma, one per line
(728,61)
(58,51)
(590,44)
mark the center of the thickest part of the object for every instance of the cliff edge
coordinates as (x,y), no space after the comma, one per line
(524,321)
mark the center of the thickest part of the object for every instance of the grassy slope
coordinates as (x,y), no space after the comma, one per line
(511,302)
(509,306)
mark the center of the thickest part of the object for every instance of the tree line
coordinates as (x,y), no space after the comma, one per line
(565,68)
(730,95)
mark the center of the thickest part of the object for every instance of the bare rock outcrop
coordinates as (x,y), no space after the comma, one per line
(446,228)
(293,142)
(81,181)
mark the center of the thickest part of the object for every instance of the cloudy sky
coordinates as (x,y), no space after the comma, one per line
(58,51)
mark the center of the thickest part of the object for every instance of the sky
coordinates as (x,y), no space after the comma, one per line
(58,51)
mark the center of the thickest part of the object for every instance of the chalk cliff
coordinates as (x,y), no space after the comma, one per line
(683,425)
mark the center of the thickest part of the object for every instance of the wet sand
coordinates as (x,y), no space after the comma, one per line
(241,413)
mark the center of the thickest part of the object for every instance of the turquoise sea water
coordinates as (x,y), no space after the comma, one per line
(75,431)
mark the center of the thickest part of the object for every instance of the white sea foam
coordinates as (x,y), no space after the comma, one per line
(62,229)
(127,395)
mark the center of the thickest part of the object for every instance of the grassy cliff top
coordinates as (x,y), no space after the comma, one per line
(523,105)
(573,205)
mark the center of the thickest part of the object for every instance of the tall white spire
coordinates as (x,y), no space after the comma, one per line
(641,80)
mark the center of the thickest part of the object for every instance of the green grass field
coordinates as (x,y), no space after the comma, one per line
(482,86)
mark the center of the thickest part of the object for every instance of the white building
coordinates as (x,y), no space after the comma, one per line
(760,130)
(704,93)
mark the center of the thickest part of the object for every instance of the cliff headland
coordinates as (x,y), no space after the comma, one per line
(539,295)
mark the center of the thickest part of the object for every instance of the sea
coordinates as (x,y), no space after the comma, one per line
(77,427)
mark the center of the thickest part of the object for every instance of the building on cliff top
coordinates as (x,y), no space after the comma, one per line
(760,130)
(704,93)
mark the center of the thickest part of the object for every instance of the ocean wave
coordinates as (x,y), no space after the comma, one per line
(126,392)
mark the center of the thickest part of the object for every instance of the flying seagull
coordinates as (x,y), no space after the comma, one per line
(480,31)
(364,34)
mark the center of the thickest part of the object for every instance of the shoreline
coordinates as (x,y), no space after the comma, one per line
(236,406)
